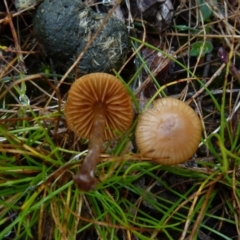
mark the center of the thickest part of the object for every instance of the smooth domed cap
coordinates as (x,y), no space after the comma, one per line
(98,89)
(169,133)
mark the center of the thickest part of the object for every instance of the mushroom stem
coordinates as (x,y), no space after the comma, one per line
(85,179)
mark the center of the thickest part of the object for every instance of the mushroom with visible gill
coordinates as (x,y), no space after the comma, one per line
(169,133)
(98,106)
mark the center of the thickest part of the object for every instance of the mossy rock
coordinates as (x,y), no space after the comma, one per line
(64,28)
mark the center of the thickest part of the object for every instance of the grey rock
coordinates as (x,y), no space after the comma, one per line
(64,28)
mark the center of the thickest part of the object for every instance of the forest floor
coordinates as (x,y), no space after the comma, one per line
(188,50)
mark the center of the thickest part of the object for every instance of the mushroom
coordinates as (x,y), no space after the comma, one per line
(169,133)
(98,108)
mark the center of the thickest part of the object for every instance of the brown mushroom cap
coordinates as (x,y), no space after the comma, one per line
(169,133)
(98,92)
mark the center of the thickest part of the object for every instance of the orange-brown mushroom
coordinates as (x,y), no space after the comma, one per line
(98,108)
(169,133)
